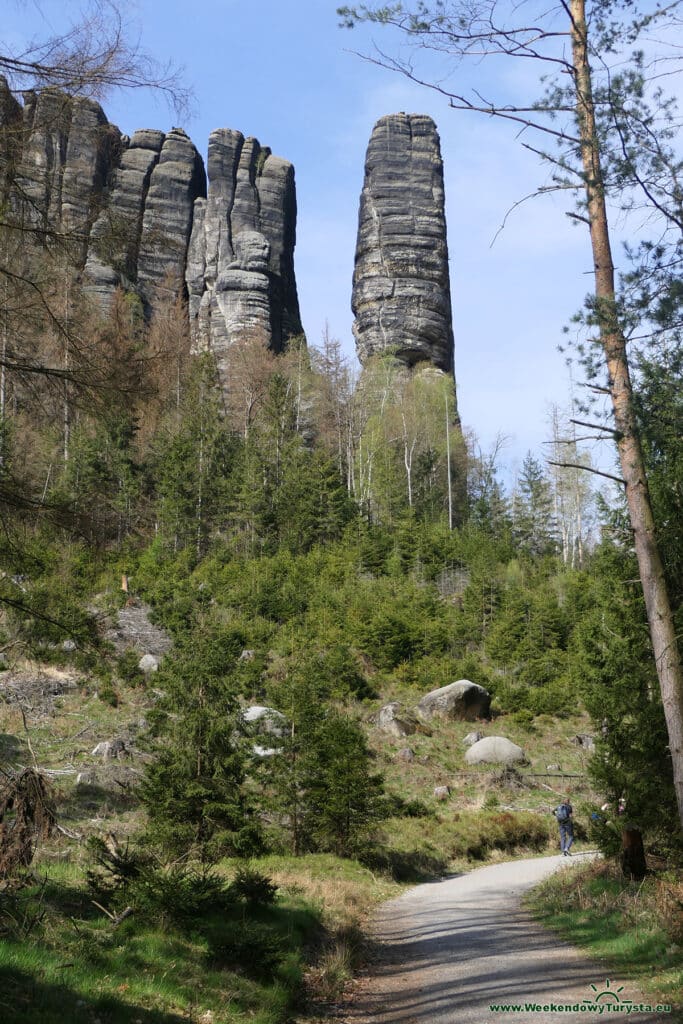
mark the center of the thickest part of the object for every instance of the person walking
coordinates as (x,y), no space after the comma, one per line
(564,813)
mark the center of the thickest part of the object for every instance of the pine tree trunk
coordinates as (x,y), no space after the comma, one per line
(657,603)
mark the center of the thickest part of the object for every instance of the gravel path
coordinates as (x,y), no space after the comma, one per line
(447,950)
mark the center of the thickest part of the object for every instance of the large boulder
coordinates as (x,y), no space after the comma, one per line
(395,720)
(463,700)
(406,754)
(495,750)
(148,663)
(265,720)
(266,724)
(108,749)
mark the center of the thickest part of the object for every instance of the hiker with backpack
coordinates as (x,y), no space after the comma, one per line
(563,813)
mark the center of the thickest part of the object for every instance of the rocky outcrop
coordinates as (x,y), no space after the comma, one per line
(134,212)
(177,180)
(240,267)
(495,750)
(115,236)
(401,288)
(395,720)
(141,237)
(463,700)
(67,149)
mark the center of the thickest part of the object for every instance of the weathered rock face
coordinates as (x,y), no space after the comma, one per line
(240,268)
(401,288)
(176,181)
(115,237)
(136,214)
(462,700)
(395,720)
(141,237)
(495,750)
(64,154)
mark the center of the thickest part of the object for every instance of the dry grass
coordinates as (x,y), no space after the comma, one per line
(344,893)
(635,926)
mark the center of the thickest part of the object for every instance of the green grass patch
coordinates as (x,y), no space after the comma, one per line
(419,848)
(637,927)
(64,958)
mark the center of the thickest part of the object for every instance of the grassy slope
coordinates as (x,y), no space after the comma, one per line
(66,958)
(636,928)
(73,963)
(225,968)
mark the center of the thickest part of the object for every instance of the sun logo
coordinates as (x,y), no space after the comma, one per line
(607,994)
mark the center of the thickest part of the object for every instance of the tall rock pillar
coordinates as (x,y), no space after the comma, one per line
(401,287)
(240,265)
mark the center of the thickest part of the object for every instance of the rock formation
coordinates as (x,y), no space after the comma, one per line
(63,154)
(401,288)
(240,267)
(141,235)
(495,750)
(461,700)
(134,212)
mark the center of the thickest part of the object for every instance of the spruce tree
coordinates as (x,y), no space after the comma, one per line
(320,783)
(195,790)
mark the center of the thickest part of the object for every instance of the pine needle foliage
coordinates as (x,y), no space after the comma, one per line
(194,791)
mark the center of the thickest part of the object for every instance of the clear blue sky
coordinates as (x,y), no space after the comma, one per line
(283,71)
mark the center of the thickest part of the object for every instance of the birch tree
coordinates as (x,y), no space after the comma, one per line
(573,496)
(605,127)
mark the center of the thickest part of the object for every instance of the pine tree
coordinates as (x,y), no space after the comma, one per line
(533,523)
(195,790)
(321,782)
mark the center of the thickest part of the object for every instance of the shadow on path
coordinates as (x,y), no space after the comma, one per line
(442,954)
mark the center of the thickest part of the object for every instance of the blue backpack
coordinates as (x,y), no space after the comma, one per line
(563,813)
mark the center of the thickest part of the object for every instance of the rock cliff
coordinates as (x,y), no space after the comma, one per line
(401,288)
(135,212)
(240,267)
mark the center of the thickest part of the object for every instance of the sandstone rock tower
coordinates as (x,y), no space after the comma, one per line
(401,287)
(240,265)
(135,213)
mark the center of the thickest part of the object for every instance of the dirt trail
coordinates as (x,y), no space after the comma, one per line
(448,950)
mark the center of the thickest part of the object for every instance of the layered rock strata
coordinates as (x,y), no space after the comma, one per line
(401,287)
(240,268)
(64,153)
(135,213)
(143,231)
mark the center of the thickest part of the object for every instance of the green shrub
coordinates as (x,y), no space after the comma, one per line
(395,806)
(524,717)
(127,669)
(252,948)
(178,892)
(107,694)
(252,886)
(130,876)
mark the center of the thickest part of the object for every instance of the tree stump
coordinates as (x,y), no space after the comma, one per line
(632,854)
